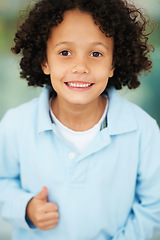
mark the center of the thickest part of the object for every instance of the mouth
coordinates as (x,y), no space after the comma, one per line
(78,84)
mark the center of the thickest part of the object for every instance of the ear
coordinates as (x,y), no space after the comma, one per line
(111,71)
(45,68)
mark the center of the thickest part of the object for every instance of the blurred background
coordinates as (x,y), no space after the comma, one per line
(14,91)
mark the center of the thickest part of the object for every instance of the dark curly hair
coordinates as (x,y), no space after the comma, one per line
(116,18)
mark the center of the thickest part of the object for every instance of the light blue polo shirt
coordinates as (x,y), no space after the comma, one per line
(110,191)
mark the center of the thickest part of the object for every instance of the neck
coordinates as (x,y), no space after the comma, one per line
(77,116)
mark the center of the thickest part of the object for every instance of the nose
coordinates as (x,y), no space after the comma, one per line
(80,66)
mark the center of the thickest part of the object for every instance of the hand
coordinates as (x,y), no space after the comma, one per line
(43,214)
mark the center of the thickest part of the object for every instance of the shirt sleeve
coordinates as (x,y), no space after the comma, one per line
(144,219)
(13,198)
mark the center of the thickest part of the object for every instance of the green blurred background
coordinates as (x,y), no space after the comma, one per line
(14,91)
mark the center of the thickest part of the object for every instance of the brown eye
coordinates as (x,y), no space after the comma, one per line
(96,54)
(65,53)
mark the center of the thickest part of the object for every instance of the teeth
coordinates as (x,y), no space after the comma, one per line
(81,85)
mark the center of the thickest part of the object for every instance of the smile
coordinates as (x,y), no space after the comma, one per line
(79,85)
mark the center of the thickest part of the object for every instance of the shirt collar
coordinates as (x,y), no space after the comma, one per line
(120,117)
(44,120)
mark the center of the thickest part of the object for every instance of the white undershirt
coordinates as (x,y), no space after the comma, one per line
(79,140)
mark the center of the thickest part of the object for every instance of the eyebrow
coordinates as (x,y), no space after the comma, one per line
(99,43)
(61,43)
(91,43)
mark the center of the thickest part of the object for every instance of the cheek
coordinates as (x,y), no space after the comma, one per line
(57,78)
(55,81)
(58,69)
(56,73)
(102,76)
(103,70)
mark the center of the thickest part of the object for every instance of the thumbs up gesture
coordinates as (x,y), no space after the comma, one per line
(43,214)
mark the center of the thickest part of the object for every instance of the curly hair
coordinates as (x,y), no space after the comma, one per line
(116,18)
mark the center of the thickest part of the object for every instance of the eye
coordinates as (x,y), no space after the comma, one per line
(65,53)
(96,54)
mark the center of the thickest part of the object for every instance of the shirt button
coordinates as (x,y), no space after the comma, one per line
(71,155)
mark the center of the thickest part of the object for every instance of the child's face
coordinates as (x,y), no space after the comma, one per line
(79,59)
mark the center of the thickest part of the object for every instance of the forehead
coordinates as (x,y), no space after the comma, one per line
(78,26)
(75,19)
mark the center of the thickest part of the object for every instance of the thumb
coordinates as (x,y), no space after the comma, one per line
(43,194)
